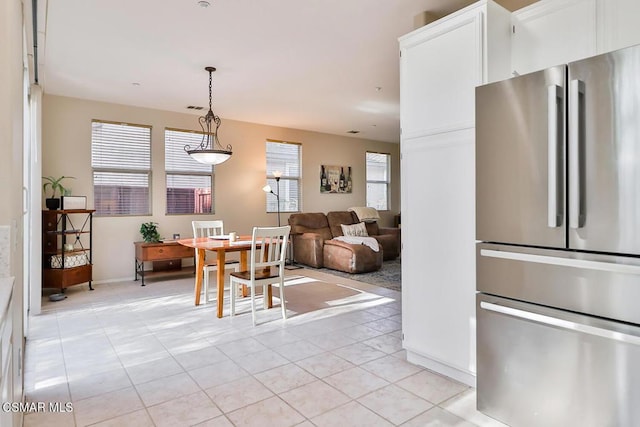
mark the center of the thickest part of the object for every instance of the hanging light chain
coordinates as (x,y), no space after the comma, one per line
(210,89)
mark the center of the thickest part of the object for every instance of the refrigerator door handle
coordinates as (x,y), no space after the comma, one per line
(554,194)
(576,200)
(561,323)
(563,262)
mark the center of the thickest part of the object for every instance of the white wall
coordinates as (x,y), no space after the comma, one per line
(11,143)
(239,199)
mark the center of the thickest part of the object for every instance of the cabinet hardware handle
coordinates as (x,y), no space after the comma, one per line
(561,323)
(576,201)
(554,194)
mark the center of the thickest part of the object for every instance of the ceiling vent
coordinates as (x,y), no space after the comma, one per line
(194,107)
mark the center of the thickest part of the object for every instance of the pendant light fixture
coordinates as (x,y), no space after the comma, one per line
(210,151)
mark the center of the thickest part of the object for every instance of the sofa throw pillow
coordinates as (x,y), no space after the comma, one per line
(358,230)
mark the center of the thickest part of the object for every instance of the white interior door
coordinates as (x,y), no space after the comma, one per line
(33,241)
(27,188)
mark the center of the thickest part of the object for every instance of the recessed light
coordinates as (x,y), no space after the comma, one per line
(204,3)
(378,88)
(353,131)
(135,84)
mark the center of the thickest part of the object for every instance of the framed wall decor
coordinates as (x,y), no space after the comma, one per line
(335,179)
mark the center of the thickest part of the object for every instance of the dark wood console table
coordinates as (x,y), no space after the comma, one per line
(166,257)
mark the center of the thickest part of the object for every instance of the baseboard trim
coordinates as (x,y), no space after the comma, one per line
(441,368)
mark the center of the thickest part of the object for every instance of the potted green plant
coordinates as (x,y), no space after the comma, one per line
(149,231)
(55,184)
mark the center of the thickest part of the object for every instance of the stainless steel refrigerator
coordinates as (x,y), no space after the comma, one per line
(558,262)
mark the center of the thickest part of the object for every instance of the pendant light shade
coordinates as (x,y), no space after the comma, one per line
(210,151)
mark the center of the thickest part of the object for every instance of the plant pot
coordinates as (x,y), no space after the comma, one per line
(52,204)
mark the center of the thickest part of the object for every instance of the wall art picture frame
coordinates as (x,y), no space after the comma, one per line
(335,179)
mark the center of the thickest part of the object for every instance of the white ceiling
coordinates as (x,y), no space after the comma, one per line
(302,64)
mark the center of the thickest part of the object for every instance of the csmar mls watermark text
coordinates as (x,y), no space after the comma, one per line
(28,407)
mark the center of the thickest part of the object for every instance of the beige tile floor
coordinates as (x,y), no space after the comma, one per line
(127,355)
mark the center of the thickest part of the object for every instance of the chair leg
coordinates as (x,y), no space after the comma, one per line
(265,296)
(232,295)
(238,288)
(205,285)
(253,303)
(282,299)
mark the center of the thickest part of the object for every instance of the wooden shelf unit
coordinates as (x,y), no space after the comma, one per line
(61,266)
(166,258)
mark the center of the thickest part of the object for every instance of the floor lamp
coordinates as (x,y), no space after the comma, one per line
(267,189)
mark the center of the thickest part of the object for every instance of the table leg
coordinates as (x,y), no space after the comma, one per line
(220,276)
(199,273)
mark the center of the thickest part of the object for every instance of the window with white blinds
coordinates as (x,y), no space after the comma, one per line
(378,180)
(284,157)
(189,189)
(121,162)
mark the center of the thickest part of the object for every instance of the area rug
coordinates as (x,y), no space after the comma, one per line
(389,276)
(310,298)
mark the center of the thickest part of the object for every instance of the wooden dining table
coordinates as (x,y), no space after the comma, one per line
(220,247)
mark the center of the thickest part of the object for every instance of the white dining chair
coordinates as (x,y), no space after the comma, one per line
(209,229)
(266,266)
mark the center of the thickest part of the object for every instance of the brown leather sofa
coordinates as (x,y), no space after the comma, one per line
(314,245)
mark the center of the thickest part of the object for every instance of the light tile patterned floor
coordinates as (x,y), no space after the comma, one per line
(127,355)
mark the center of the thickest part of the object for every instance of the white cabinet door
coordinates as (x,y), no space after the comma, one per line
(553,32)
(438,256)
(6,351)
(618,25)
(439,68)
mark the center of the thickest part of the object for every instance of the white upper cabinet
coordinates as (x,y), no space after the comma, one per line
(618,24)
(444,68)
(553,32)
(443,62)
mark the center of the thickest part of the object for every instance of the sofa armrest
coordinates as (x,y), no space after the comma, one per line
(392,250)
(390,230)
(307,249)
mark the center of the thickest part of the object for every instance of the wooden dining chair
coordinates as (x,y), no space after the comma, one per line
(209,229)
(267,266)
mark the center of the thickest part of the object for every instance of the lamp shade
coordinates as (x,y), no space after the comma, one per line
(210,157)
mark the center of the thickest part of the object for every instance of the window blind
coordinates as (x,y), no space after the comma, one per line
(189,183)
(284,157)
(176,159)
(378,179)
(121,162)
(289,195)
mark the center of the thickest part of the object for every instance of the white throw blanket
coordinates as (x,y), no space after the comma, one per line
(357,240)
(366,214)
